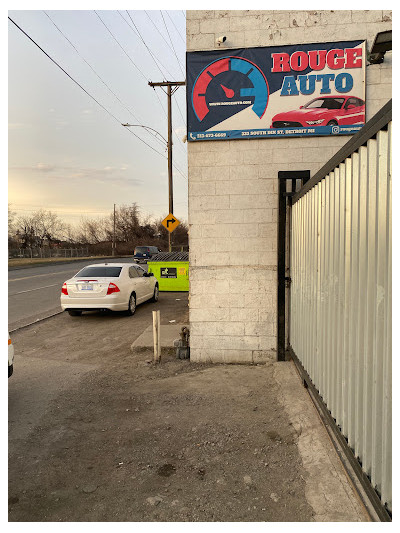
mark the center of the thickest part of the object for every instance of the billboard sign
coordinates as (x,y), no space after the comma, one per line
(278,91)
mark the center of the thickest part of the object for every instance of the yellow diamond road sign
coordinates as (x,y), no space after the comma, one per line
(170,222)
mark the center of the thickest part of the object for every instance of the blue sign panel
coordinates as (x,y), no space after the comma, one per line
(280,91)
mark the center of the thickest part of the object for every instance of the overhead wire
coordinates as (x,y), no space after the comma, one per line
(143,75)
(169,46)
(172,44)
(92,69)
(80,86)
(180,144)
(91,96)
(176,101)
(152,55)
(125,52)
(177,31)
(122,48)
(103,82)
(184,121)
(162,36)
(145,44)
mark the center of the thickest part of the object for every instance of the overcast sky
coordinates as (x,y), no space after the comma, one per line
(68,151)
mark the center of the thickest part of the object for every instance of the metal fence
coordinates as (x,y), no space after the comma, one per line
(47,252)
(340,301)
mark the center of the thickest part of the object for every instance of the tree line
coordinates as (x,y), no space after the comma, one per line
(43,228)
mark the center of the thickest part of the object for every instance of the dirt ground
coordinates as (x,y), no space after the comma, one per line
(116,438)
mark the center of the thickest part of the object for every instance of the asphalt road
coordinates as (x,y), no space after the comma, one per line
(34,293)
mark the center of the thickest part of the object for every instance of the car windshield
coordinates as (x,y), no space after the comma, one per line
(141,249)
(325,103)
(99,272)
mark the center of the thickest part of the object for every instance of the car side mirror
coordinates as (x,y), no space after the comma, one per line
(301,107)
(351,106)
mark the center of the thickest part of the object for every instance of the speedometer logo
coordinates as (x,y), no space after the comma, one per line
(231,82)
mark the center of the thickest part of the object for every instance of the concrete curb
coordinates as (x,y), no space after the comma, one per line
(35,322)
(328,488)
(169,332)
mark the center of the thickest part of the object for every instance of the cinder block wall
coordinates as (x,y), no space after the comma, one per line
(233,186)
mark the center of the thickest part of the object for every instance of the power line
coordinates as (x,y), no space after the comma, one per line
(180,144)
(125,52)
(137,30)
(184,121)
(178,32)
(122,48)
(162,36)
(90,96)
(177,105)
(93,70)
(79,85)
(172,44)
(145,44)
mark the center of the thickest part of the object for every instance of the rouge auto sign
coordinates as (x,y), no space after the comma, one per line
(297,90)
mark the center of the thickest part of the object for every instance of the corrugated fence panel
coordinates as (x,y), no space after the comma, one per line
(340,316)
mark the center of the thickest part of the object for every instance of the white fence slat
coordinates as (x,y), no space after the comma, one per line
(340,315)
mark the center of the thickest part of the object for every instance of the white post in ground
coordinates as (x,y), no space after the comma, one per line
(157,336)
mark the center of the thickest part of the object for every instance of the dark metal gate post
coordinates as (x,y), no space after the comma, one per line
(283,177)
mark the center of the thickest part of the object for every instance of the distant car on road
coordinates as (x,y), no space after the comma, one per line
(108,286)
(323,111)
(10,357)
(142,254)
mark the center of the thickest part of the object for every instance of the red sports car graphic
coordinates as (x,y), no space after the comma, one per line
(323,111)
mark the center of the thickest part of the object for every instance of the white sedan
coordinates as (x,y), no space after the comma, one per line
(108,286)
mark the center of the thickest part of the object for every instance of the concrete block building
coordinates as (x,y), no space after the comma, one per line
(233,185)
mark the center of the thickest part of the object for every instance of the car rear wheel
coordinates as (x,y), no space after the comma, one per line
(132,304)
(74,313)
(155,295)
(332,123)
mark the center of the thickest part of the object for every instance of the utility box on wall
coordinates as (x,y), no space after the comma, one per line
(171,270)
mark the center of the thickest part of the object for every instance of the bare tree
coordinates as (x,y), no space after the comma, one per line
(40,226)
(70,234)
(127,223)
(11,222)
(92,231)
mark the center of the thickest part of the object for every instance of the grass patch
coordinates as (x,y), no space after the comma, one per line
(26,261)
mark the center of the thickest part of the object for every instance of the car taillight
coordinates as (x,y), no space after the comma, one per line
(64,289)
(112,288)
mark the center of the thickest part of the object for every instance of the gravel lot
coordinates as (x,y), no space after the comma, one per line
(99,433)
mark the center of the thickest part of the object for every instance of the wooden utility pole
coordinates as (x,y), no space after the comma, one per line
(171,86)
